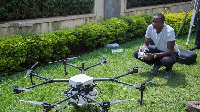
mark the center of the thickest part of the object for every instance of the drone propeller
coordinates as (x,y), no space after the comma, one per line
(151,81)
(33,102)
(30,69)
(47,106)
(17,89)
(134,86)
(139,86)
(119,101)
(106,104)
(138,67)
(61,60)
(111,102)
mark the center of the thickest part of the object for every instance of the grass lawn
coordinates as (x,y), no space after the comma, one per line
(164,95)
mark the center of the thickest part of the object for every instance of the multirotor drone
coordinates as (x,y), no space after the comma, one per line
(83,88)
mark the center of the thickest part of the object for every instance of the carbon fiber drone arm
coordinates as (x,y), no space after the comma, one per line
(48,81)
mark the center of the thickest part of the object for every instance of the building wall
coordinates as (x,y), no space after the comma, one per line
(43,25)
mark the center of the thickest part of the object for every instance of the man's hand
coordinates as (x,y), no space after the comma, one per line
(149,56)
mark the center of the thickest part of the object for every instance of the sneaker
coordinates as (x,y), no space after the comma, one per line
(155,68)
(168,74)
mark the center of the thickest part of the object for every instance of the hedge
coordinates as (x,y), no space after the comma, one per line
(19,52)
(142,3)
(24,9)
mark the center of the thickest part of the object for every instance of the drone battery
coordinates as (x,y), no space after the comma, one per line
(82,79)
(187,57)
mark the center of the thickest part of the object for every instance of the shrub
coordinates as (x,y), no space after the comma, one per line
(65,43)
(20,9)
(175,20)
(116,29)
(148,18)
(91,35)
(142,3)
(12,53)
(141,25)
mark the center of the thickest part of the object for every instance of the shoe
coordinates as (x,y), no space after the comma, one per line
(168,74)
(155,68)
(195,47)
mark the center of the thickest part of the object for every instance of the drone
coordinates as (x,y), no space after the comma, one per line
(83,88)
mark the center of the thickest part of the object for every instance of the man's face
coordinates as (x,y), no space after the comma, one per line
(157,22)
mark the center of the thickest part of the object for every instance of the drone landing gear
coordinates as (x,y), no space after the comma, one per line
(142,88)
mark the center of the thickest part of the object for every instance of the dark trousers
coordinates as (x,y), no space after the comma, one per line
(197,39)
(167,61)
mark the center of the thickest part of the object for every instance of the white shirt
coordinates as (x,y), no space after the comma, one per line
(160,40)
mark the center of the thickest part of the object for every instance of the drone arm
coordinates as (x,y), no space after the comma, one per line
(118,81)
(92,65)
(60,80)
(74,66)
(45,82)
(63,107)
(39,76)
(102,79)
(102,61)
(92,99)
(123,75)
(65,99)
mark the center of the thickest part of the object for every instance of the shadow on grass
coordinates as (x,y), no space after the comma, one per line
(177,79)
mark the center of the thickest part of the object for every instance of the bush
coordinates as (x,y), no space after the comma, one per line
(24,9)
(141,25)
(142,3)
(148,18)
(175,20)
(12,53)
(116,29)
(91,35)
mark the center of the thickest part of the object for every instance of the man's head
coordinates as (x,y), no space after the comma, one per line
(158,21)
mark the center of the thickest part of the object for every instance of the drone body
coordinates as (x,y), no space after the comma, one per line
(81,83)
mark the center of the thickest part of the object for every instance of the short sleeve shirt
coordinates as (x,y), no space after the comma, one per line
(160,40)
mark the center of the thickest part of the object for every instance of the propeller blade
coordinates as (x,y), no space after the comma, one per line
(30,70)
(23,89)
(33,102)
(18,88)
(71,58)
(134,86)
(8,84)
(39,103)
(138,86)
(139,67)
(151,81)
(119,101)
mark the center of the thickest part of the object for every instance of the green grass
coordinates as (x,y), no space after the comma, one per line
(164,95)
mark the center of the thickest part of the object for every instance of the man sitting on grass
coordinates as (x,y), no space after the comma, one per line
(165,51)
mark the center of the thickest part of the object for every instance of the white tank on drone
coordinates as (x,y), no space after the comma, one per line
(81,78)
